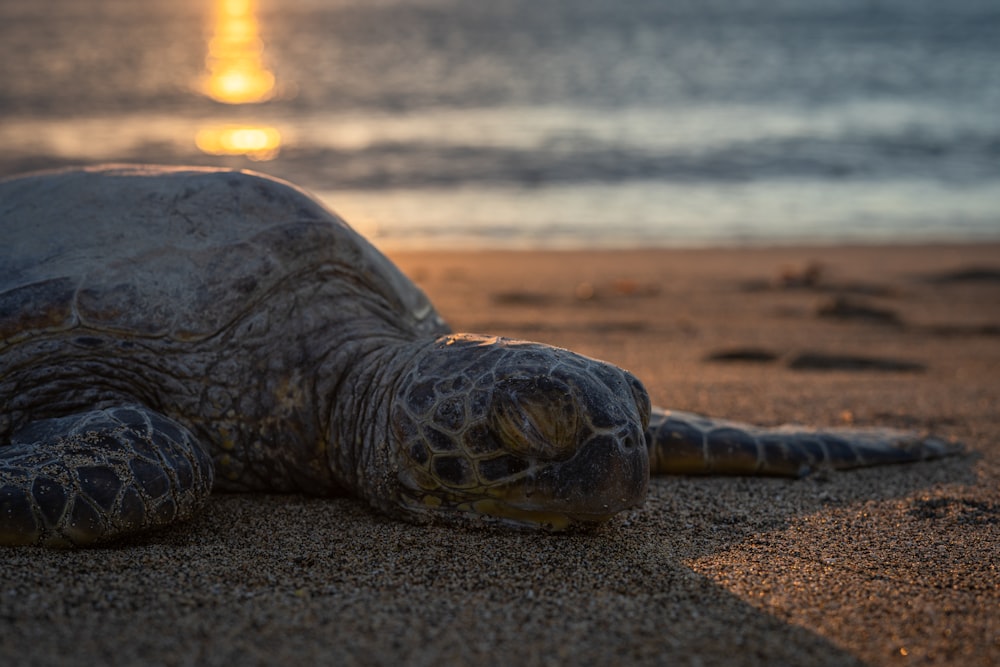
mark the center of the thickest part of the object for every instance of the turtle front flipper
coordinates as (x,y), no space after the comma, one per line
(689,444)
(98,475)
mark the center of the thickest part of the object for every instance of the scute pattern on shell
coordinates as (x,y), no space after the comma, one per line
(179,254)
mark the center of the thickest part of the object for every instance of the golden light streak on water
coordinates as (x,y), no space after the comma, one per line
(257,143)
(235,62)
(236,75)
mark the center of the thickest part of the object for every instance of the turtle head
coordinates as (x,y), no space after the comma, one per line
(495,430)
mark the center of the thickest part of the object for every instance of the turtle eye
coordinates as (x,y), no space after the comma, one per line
(536,417)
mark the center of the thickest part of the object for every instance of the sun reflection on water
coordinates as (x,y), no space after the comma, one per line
(257,143)
(236,75)
(236,72)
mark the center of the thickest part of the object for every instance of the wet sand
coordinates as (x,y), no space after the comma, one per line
(886,566)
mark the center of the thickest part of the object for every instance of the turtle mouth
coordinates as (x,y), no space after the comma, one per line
(602,479)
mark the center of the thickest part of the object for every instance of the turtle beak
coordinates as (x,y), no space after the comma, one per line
(607,474)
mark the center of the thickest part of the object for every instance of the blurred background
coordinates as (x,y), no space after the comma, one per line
(537,123)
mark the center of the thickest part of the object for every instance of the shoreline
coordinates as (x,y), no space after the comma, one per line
(530,245)
(875,566)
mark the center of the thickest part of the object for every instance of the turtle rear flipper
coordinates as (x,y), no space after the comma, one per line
(98,475)
(689,444)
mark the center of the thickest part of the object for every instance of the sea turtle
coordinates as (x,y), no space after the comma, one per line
(167,331)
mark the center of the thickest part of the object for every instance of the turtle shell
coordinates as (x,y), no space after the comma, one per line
(174,252)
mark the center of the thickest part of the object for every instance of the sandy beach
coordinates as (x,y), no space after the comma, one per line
(885,566)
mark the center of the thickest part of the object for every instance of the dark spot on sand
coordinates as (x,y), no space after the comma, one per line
(521,298)
(969,274)
(960,330)
(750,354)
(627,326)
(845,362)
(843,308)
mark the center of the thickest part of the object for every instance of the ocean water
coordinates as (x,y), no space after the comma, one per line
(538,123)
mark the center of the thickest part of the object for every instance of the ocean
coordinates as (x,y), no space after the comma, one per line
(538,123)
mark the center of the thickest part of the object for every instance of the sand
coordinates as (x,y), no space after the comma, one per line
(887,566)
